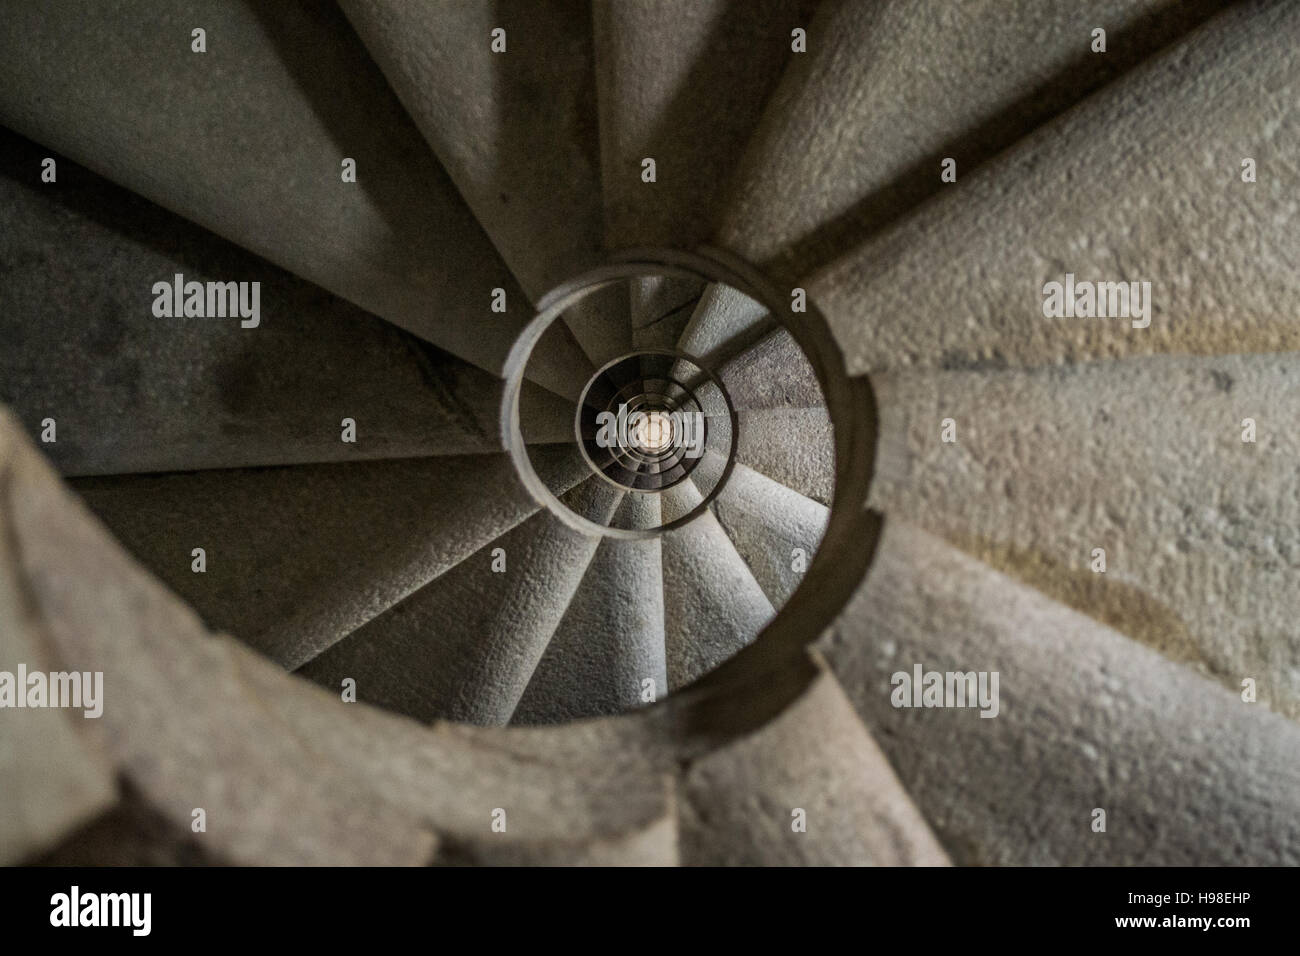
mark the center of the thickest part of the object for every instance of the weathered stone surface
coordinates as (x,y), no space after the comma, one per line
(654,844)
(1143,458)
(290,774)
(168,705)
(854,135)
(612,634)
(602,322)
(1186,772)
(792,446)
(515,130)
(83,347)
(738,803)
(773,373)
(1080,197)
(286,772)
(712,605)
(660,308)
(766,522)
(682,82)
(724,319)
(299,557)
(248,140)
(464,646)
(708,473)
(52,777)
(131,833)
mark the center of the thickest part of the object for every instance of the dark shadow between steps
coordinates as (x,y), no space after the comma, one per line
(131,833)
(352,99)
(708,127)
(547,37)
(90,196)
(350,96)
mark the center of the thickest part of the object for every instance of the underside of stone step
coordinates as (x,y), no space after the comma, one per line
(772,373)
(295,558)
(775,530)
(85,347)
(811,788)
(249,140)
(464,646)
(1128,493)
(793,446)
(602,322)
(513,127)
(1195,260)
(683,83)
(1087,720)
(712,605)
(724,322)
(611,640)
(287,772)
(660,309)
(856,133)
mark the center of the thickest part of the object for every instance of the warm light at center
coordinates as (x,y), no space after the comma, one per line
(656,431)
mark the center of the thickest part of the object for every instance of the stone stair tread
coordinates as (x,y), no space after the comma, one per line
(713,607)
(512,129)
(653,59)
(1142,458)
(611,638)
(854,135)
(1218,253)
(1186,772)
(793,446)
(767,522)
(272,395)
(248,140)
(299,557)
(464,646)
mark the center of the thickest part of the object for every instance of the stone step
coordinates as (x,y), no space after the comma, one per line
(248,140)
(131,392)
(660,307)
(768,522)
(854,135)
(724,321)
(299,557)
(611,638)
(772,373)
(1142,458)
(808,788)
(1080,198)
(713,607)
(1087,719)
(464,646)
(794,447)
(681,82)
(514,129)
(602,322)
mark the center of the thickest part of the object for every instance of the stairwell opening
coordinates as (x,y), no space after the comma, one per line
(708,425)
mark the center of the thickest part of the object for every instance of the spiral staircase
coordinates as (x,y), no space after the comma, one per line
(467,632)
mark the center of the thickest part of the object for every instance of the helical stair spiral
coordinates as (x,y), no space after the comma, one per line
(636,390)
